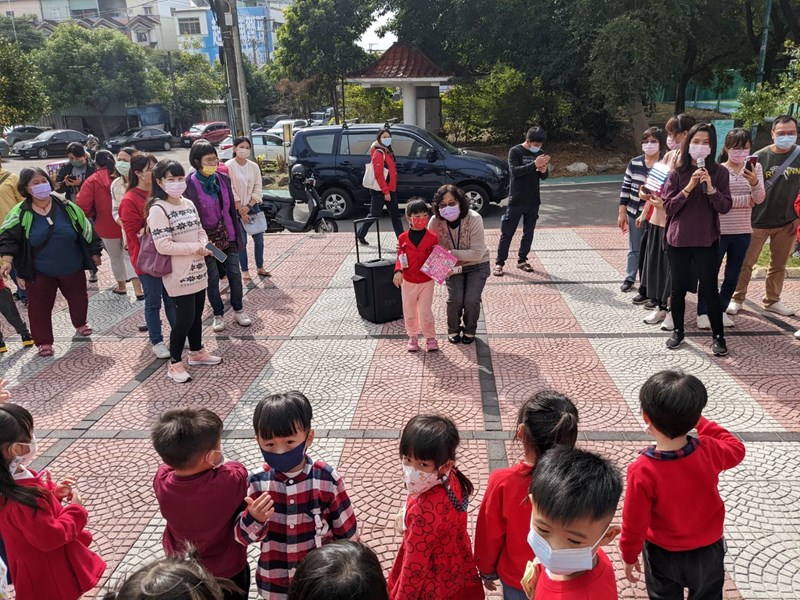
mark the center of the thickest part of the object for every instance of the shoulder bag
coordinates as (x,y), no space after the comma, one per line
(150,261)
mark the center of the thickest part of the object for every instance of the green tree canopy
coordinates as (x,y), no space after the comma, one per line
(262,92)
(21,30)
(22,96)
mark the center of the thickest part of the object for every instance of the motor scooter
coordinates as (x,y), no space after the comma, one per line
(279,210)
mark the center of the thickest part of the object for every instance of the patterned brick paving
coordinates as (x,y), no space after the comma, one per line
(565,326)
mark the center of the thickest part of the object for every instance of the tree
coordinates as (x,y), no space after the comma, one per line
(318,40)
(772,99)
(21,30)
(371,105)
(262,93)
(95,67)
(22,95)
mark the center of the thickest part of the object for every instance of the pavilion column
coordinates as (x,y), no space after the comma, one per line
(409,104)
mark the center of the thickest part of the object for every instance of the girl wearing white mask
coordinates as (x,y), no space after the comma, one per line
(697,192)
(245,177)
(176,229)
(118,189)
(435,558)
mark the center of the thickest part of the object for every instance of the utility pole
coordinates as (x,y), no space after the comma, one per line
(266,37)
(176,119)
(231,56)
(762,56)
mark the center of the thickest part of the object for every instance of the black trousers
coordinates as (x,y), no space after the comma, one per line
(686,263)
(377,202)
(701,571)
(242,580)
(642,252)
(9,310)
(188,323)
(529,213)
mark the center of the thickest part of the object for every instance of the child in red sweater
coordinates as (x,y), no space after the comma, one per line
(9,310)
(413,249)
(47,543)
(574,496)
(200,494)
(672,505)
(435,560)
(547,419)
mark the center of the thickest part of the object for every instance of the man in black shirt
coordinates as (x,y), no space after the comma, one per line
(528,165)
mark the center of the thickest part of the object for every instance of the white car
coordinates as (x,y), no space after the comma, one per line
(296,124)
(264,143)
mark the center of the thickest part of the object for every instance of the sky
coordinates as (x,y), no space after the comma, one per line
(371,37)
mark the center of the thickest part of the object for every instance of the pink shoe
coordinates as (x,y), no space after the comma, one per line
(432,345)
(413,345)
(202,357)
(84,331)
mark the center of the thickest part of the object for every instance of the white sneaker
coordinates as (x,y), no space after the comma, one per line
(797,334)
(178,373)
(727,321)
(241,318)
(160,350)
(779,309)
(733,307)
(668,324)
(655,317)
(202,357)
(218,324)
(703,322)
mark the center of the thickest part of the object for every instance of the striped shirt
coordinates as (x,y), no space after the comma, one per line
(311,508)
(738,219)
(635,176)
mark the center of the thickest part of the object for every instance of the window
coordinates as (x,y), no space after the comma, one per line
(142,36)
(271,140)
(148,10)
(189,26)
(10,13)
(321,143)
(357,144)
(408,147)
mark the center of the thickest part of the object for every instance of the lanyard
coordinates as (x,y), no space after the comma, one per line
(452,241)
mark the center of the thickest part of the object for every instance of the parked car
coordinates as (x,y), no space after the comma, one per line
(336,156)
(213,132)
(270,120)
(49,143)
(264,143)
(25,132)
(141,138)
(4,149)
(322,117)
(296,124)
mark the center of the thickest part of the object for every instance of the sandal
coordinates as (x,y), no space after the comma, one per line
(263,272)
(467,339)
(497,271)
(45,350)
(84,331)
(119,292)
(525,266)
(139,297)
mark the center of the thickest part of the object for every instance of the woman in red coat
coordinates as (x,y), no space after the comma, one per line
(382,157)
(46,542)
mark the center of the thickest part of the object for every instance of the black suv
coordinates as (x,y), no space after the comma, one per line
(337,155)
(141,138)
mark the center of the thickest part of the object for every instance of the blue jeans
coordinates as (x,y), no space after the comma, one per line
(234,280)
(513,593)
(154,293)
(735,246)
(258,240)
(20,292)
(634,244)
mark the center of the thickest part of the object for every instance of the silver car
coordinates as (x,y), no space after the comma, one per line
(4,149)
(264,144)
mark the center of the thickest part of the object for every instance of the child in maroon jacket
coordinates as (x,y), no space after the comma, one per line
(673,511)
(413,249)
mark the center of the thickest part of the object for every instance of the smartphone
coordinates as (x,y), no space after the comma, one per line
(216,252)
(751,162)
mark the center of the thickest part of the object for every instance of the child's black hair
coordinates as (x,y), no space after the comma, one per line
(342,570)
(417,205)
(433,438)
(673,401)
(182,435)
(536,134)
(282,415)
(570,484)
(16,425)
(548,419)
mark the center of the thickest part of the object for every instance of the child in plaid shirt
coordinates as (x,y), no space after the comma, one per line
(294,503)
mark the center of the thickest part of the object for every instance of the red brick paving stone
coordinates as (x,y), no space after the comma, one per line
(274,311)
(776,394)
(387,404)
(456,399)
(531,356)
(603,238)
(401,365)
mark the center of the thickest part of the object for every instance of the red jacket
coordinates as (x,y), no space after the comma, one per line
(501,534)
(383,158)
(94,198)
(797,210)
(417,255)
(598,584)
(48,554)
(131,213)
(435,560)
(672,498)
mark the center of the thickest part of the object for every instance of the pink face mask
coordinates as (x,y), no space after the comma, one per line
(650,148)
(672,144)
(699,151)
(738,156)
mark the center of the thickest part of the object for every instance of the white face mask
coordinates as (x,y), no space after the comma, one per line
(566,561)
(650,148)
(419,482)
(24,460)
(174,189)
(243,152)
(213,454)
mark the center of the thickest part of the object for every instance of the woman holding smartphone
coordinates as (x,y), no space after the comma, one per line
(747,190)
(178,233)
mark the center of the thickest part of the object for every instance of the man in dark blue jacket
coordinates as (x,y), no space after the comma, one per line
(528,166)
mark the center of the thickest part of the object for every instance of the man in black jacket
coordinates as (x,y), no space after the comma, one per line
(71,176)
(528,165)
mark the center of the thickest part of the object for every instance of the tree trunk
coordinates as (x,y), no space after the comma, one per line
(104,126)
(687,70)
(335,102)
(638,121)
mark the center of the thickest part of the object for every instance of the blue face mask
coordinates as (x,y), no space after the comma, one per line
(287,461)
(534,149)
(784,142)
(387,141)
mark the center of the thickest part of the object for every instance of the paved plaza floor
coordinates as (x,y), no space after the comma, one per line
(566,326)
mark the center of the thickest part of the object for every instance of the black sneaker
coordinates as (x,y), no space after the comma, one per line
(675,342)
(650,305)
(454,338)
(718,346)
(638,299)
(27,340)
(93,277)
(626,286)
